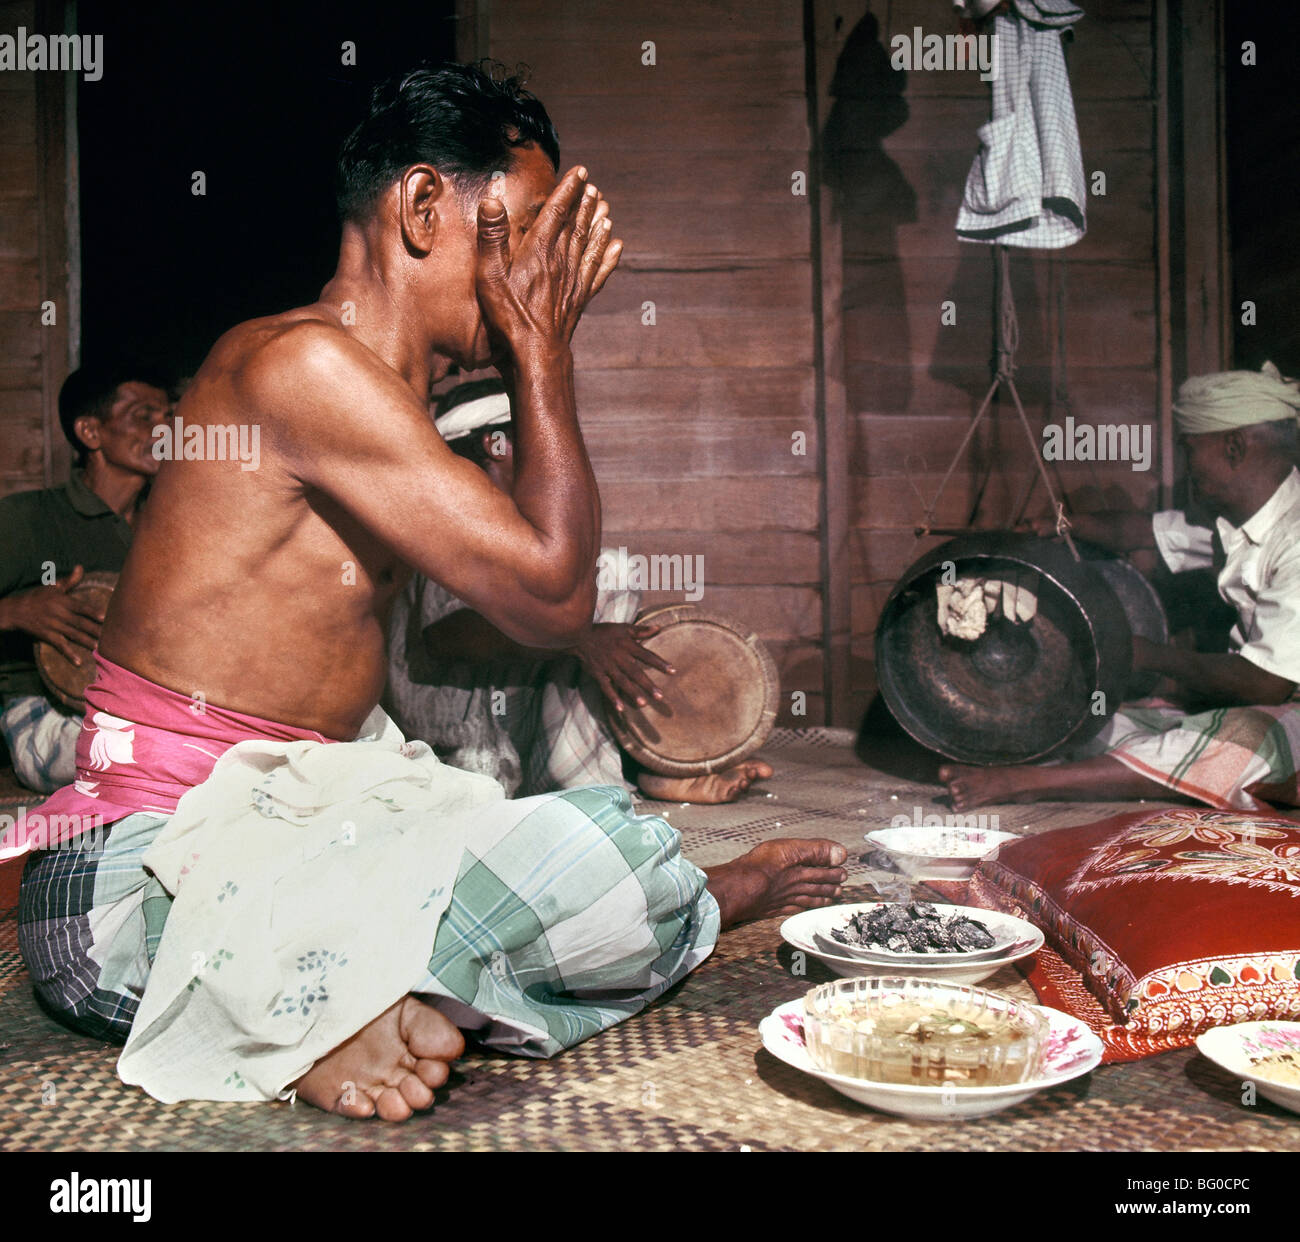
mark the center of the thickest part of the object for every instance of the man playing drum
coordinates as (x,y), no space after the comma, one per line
(1235,740)
(50,539)
(276,930)
(534,720)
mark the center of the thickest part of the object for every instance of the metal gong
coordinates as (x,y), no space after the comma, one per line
(1141,604)
(1020,690)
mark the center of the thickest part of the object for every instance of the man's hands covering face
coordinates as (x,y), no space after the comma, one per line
(536,299)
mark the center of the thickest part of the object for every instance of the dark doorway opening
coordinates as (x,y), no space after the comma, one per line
(1263,180)
(256,98)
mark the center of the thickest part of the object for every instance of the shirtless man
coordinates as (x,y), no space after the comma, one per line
(265,591)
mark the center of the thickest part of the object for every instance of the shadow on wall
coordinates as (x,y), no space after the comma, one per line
(872,198)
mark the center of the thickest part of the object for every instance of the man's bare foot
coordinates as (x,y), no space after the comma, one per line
(971,786)
(1102,778)
(714,787)
(389,1068)
(778,877)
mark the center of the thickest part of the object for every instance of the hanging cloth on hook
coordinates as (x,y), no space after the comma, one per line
(1027,186)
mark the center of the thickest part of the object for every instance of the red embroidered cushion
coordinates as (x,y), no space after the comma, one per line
(1178,920)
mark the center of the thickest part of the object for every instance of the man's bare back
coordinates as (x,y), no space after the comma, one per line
(280,611)
(289,568)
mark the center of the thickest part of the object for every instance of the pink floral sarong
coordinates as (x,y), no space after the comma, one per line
(142,747)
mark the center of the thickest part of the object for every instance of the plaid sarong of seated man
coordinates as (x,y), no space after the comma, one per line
(304,886)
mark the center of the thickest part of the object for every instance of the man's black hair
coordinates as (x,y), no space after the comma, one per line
(462,119)
(471,447)
(91,389)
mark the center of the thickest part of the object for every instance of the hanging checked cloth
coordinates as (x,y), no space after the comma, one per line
(1026,186)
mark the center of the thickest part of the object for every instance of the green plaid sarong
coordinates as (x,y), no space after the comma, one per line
(569,916)
(576,917)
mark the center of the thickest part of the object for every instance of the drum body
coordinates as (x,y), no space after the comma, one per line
(718,708)
(68,681)
(1019,691)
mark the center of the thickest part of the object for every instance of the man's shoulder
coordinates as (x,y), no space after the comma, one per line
(304,365)
(29,505)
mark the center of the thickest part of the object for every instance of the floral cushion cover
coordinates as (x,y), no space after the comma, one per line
(1177,920)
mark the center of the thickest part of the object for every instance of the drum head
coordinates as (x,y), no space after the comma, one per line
(717,709)
(67,681)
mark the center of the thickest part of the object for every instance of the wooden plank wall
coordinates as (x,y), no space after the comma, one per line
(691,420)
(33,263)
(905,144)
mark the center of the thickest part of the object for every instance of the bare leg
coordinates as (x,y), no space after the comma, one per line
(1102,779)
(724,786)
(778,877)
(389,1068)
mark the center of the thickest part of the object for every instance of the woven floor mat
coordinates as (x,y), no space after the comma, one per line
(688,1074)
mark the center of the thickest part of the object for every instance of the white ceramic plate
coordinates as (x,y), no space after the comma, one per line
(810,933)
(1072,1050)
(1232,1048)
(939,853)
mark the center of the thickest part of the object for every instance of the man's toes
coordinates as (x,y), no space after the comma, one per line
(809,902)
(391,1105)
(418,1094)
(354,1103)
(429,1034)
(433,1074)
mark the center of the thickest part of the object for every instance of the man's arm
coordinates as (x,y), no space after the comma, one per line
(349,425)
(611,652)
(465,636)
(1119,532)
(1224,680)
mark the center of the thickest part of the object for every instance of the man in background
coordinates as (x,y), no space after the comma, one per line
(1233,738)
(50,539)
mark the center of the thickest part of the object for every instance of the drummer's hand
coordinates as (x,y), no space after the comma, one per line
(613,655)
(69,623)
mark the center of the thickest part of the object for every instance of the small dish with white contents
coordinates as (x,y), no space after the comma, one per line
(1265,1053)
(926,852)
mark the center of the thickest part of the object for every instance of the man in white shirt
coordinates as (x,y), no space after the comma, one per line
(1239,749)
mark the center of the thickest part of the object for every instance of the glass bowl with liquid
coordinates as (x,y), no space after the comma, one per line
(917,1032)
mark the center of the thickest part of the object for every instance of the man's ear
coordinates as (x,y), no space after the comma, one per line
(88,429)
(420,191)
(1234,446)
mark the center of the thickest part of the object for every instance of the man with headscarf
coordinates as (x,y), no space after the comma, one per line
(1234,742)
(534,720)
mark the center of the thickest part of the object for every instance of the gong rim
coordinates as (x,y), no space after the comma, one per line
(641,731)
(62,678)
(1141,603)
